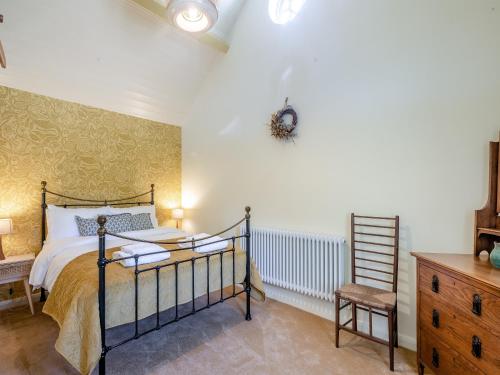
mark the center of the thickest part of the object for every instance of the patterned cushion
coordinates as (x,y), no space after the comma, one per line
(114,224)
(119,223)
(142,221)
(86,227)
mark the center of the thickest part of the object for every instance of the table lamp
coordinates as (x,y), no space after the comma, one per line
(178,215)
(5,228)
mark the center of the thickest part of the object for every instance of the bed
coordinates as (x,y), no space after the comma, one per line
(90,289)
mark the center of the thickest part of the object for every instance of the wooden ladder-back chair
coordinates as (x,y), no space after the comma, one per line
(374,259)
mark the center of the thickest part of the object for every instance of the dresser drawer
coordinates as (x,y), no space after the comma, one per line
(441,359)
(458,332)
(480,307)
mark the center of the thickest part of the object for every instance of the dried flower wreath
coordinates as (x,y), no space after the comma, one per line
(279,128)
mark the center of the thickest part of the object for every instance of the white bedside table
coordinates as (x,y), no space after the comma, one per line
(17,268)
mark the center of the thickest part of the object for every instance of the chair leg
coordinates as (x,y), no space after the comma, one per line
(396,341)
(390,319)
(354,317)
(337,320)
(421,368)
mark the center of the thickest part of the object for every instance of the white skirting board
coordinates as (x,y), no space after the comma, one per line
(325,309)
(310,304)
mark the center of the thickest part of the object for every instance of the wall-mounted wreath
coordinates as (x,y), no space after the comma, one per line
(283,123)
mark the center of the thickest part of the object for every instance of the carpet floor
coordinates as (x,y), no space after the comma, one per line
(279,340)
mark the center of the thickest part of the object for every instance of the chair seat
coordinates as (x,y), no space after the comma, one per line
(367,295)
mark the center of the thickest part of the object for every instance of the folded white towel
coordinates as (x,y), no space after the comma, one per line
(205,246)
(141,248)
(212,247)
(142,260)
(195,238)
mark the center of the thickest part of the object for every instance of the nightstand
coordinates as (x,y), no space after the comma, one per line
(17,268)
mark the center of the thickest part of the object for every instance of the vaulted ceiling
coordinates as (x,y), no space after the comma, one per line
(112,54)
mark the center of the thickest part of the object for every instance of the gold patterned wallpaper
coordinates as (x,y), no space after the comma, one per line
(79,151)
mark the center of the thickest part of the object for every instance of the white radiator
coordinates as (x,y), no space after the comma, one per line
(304,263)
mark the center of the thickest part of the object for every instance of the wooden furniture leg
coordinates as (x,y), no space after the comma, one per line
(354,317)
(396,341)
(43,296)
(27,288)
(337,322)
(421,369)
(391,339)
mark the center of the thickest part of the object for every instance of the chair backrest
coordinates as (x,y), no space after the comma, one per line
(374,250)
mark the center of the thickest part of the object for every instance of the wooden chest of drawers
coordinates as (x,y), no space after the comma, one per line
(458,314)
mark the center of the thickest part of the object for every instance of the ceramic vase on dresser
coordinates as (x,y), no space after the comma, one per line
(495,255)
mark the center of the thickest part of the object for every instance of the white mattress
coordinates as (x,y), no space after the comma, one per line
(57,254)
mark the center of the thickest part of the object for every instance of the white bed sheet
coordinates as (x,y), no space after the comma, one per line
(55,255)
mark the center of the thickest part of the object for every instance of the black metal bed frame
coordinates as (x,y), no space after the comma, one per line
(83,202)
(102,262)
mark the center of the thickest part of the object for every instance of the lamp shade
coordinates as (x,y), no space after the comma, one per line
(177,213)
(3,60)
(5,226)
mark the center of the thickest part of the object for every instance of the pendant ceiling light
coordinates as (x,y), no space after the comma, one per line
(194,16)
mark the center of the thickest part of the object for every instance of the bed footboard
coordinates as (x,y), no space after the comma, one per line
(155,269)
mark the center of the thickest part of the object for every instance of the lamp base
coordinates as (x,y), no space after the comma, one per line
(2,256)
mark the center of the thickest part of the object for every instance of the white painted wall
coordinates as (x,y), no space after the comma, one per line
(397,102)
(111,54)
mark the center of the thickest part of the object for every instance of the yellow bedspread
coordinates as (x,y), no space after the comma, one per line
(73,301)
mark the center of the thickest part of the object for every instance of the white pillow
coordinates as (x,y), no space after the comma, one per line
(61,221)
(148,209)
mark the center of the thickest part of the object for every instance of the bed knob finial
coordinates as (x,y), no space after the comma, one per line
(44,185)
(247,209)
(152,194)
(101,220)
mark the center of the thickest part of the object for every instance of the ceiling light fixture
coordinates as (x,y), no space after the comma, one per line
(194,16)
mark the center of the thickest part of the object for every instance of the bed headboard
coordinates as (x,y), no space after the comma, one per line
(135,200)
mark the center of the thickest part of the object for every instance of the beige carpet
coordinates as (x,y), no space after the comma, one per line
(279,340)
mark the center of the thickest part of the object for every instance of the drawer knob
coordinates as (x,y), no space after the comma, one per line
(435,358)
(476,346)
(435,284)
(435,318)
(476,304)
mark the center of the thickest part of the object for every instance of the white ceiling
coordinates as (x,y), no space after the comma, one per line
(229,11)
(111,54)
